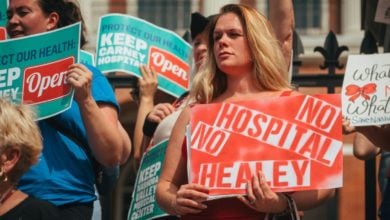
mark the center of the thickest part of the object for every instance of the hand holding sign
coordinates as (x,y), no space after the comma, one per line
(190,198)
(80,78)
(261,198)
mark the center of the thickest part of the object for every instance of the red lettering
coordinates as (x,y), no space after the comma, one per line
(244,173)
(208,139)
(311,145)
(300,171)
(325,117)
(273,127)
(256,131)
(226,116)
(285,133)
(279,172)
(323,150)
(309,110)
(201,132)
(241,121)
(215,142)
(222,173)
(387,90)
(207,174)
(297,138)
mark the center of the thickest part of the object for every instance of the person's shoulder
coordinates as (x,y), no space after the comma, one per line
(93,69)
(35,209)
(290,92)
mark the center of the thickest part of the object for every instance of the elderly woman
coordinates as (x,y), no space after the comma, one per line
(20,147)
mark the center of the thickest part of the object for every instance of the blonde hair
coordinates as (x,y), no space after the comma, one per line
(269,66)
(18,130)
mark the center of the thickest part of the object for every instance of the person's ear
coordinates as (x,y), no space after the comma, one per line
(52,21)
(9,159)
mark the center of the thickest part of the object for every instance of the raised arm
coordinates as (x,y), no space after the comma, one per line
(281,16)
(110,143)
(147,87)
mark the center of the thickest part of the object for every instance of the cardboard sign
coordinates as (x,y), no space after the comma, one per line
(87,58)
(125,42)
(366,89)
(33,73)
(3,19)
(143,203)
(382,14)
(295,141)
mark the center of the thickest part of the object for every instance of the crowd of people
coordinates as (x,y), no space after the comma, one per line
(239,55)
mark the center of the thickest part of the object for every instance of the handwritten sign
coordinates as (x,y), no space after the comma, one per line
(143,204)
(366,89)
(298,149)
(33,73)
(382,14)
(126,42)
(3,19)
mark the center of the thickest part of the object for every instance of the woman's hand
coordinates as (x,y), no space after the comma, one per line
(347,128)
(159,112)
(189,199)
(260,197)
(148,83)
(80,78)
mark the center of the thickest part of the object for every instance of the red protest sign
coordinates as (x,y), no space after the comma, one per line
(296,141)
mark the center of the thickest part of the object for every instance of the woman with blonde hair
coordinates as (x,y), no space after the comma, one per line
(245,63)
(20,147)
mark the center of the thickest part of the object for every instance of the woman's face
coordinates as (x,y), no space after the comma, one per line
(200,49)
(25,17)
(231,49)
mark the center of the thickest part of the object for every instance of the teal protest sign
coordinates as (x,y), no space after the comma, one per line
(87,58)
(143,204)
(125,42)
(3,18)
(33,73)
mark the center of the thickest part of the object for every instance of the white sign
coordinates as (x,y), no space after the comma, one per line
(366,90)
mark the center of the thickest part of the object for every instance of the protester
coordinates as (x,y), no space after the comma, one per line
(64,175)
(20,147)
(245,62)
(149,115)
(147,85)
(369,141)
(281,16)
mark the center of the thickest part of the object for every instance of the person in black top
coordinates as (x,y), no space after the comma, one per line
(20,147)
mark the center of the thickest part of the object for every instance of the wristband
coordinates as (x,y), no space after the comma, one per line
(291,210)
(149,127)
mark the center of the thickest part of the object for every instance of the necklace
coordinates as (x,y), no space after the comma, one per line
(6,195)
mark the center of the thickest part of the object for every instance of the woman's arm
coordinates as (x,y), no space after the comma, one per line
(378,136)
(110,144)
(173,194)
(306,200)
(281,17)
(147,87)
